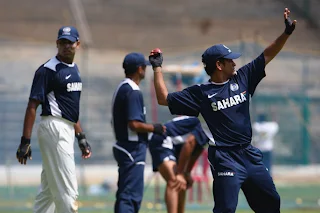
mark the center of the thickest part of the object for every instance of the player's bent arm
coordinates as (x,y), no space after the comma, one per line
(160,87)
(141,127)
(194,157)
(186,153)
(30,117)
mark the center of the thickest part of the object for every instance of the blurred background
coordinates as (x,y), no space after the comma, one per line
(183,29)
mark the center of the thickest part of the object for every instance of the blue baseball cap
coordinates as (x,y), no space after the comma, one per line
(212,54)
(134,60)
(68,32)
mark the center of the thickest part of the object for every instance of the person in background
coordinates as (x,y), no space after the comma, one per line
(57,88)
(264,132)
(174,155)
(131,133)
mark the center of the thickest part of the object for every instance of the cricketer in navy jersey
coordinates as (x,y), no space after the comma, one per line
(128,105)
(174,155)
(224,104)
(57,88)
(131,133)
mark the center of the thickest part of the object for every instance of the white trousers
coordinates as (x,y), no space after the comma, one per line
(59,189)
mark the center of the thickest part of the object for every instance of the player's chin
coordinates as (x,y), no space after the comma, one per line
(68,54)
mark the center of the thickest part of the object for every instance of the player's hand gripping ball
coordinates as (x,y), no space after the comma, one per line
(290,25)
(24,151)
(155,58)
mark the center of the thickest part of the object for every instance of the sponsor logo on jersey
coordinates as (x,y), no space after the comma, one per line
(229,102)
(210,96)
(75,86)
(227,174)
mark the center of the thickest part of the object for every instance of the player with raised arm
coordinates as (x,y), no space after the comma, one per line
(57,88)
(131,132)
(224,104)
(174,155)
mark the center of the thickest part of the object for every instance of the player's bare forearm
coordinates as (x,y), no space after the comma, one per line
(185,154)
(29,118)
(160,87)
(275,47)
(140,127)
(77,127)
(193,159)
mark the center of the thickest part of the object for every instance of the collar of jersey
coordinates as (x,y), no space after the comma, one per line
(133,84)
(52,63)
(219,83)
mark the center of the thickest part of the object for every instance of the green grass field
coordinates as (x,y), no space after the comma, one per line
(294,199)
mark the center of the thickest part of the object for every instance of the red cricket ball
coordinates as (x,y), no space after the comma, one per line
(155,51)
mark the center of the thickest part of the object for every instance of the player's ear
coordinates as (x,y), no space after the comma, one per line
(219,65)
(57,43)
(78,44)
(140,69)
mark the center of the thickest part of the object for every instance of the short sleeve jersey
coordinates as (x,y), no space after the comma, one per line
(128,105)
(58,86)
(224,106)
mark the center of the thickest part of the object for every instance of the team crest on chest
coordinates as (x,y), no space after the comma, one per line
(234,87)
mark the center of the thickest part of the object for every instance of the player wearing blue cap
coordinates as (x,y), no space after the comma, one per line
(56,87)
(131,133)
(174,155)
(224,104)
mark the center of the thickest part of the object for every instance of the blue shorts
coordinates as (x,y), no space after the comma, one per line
(238,168)
(161,151)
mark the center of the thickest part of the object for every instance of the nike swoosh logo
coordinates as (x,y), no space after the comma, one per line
(210,96)
(68,76)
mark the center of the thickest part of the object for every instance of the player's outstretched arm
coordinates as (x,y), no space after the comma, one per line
(156,60)
(24,150)
(274,48)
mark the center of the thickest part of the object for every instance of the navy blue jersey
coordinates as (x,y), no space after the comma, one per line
(169,145)
(180,127)
(58,86)
(128,106)
(224,106)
